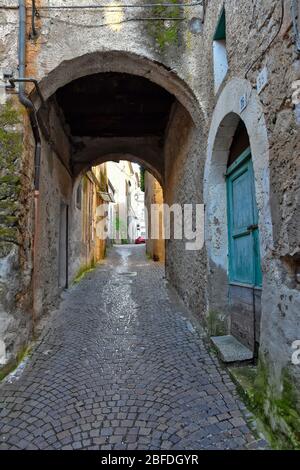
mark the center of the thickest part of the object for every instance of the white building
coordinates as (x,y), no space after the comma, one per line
(126,218)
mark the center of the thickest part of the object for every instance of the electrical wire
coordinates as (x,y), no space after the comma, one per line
(271,42)
(105,6)
(112,8)
(102,25)
(7,7)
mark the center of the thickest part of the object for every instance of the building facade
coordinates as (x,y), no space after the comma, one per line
(86,234)
(206,97)
(126,220)
(155,244)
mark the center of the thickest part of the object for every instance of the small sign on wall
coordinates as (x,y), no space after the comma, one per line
(2,353)
(243,103)
(262,80)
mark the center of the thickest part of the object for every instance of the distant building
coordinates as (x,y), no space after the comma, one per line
(154,195)
(126,219)
(89,239)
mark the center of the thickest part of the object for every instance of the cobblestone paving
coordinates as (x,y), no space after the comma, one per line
(122,367)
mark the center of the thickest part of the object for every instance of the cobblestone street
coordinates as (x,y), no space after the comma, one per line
(122,367)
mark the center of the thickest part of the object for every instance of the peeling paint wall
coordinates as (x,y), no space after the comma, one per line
(155,248)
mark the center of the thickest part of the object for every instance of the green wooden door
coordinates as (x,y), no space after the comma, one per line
(244,252)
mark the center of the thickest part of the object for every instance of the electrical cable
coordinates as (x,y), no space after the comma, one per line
(128,20)
(105,6)
(109,8)
(11,7)
(271,42)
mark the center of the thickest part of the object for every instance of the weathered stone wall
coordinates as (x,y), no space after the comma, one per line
(250,29)
(184,165)
(16,209)
(169,44)
(11,138)
(70,45)
(77,250)
(55,190)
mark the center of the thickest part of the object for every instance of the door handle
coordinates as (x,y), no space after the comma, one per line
(252,227)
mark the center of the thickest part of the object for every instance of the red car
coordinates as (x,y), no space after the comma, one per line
(140,240)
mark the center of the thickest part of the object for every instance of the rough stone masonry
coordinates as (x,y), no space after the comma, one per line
(219,79)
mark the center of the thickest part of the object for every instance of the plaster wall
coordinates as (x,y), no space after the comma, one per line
(154,195)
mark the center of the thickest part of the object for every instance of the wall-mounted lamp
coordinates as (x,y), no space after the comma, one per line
(196,25)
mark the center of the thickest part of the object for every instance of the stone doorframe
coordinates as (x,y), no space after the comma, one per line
(223,126)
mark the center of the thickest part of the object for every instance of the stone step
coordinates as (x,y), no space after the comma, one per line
(231,350)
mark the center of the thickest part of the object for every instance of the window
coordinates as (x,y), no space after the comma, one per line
(220,52)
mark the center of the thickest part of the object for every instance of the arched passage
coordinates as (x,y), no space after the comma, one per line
(144,88)
(116,157)
(119,62)
(108,106)
(232,297)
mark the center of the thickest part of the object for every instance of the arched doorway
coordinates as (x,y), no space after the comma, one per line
(235,236)
(244,265)
(238,220)
(243,231)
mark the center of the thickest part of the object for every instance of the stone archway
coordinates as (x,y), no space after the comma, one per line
(115,157)
(119,62)
(166,154)
(224,124)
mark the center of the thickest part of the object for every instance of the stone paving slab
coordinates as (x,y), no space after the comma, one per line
(231,350)
(121,367)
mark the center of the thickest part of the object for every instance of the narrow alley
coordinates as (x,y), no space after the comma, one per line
(121,366)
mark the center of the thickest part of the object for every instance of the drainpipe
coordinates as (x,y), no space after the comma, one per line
(295,8)
(22,95)
(35,129)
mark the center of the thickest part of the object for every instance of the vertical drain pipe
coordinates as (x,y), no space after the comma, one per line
(295,8)
(34,124)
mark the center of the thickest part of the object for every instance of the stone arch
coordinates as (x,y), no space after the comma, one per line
(223,126)
(161,153)
(115,157)
(227,306)
(122,62)
(119,62)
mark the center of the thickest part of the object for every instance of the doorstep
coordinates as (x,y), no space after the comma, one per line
(231,350)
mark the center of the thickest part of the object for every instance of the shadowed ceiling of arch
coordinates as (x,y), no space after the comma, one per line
(114,113)
(115,105)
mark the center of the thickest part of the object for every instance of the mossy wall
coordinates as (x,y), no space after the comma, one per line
(10,181)
(166,33)
(278,405)
(16,222)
